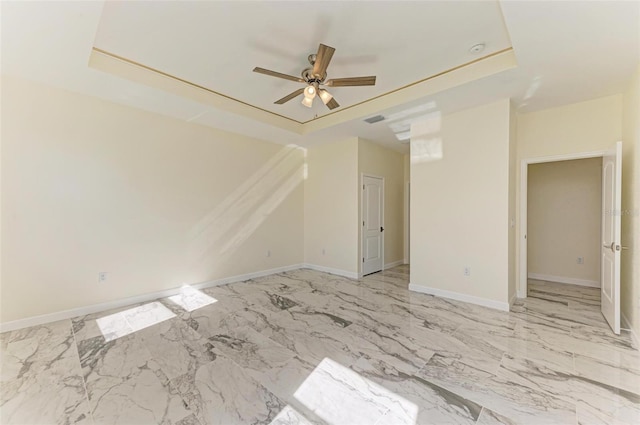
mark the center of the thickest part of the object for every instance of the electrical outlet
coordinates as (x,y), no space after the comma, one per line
(102,277)
(268,253)
(467,271)
(580,260)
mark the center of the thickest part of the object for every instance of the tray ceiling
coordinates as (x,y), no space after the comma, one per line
(216,45)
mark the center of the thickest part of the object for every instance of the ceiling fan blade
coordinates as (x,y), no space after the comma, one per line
(277,74)
(332,104)
(323,57)
(290,96)
(352,81)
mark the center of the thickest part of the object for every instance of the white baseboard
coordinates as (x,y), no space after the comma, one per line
(562,279)
(405,261)
(393,264)
(95,308)
(460,297)
(626,323)
(339,272)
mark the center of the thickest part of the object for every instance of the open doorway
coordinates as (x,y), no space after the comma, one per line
(564,222)
(570,245)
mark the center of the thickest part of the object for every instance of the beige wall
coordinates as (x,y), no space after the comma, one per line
(91,186)
(630,276)
(593,125)
(331,206)
(376,160)
(460,205)
(564,219)
(407,202)
(513,145)
(579,127)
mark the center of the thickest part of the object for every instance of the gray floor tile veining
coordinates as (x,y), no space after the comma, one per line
(304,347)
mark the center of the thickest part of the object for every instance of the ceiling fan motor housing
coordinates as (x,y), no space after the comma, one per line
(310,77)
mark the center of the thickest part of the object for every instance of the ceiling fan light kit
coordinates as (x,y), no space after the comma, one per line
(314,77)
(310,92)
(325,96)
(307,101)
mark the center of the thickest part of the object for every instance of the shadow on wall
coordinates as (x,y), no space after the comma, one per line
(223,230)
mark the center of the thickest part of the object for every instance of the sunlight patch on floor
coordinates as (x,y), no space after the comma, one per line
(132,320)
(192,299)
(340,395)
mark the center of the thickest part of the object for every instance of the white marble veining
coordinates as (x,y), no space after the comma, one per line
(305,347)
(339,395)
(289,416)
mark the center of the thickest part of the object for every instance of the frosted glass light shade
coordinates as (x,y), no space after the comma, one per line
(307,101)
(325,96)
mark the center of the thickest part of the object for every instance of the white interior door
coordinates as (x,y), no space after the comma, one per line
(611,209)
(372,224)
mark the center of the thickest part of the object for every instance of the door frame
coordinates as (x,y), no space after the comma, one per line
(361,233)
(407,223)
(524,184)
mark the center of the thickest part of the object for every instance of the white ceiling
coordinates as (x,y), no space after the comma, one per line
(566,52)
(217,44)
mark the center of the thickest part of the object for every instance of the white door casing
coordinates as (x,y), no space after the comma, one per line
(611,244)
(372,224)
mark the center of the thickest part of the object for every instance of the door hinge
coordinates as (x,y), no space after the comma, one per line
(363,259)
(362,187)
(363,222)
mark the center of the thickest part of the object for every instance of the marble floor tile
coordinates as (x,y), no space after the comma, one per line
(290,416)
(221,392)
(339,395)
(578,390)
(588,416)
(176,347)
(487,417)
(309,334)
(85,327)
(520,403)
(40,377)
(426,403)
(521,342)
(622,374)
(564,292)
(191,299)
(253,352)
(305,347)
(388,353)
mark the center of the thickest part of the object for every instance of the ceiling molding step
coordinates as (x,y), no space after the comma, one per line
(480,68)
(130,70)
(484,67)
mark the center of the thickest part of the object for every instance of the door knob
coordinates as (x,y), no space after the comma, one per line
(381,229)
(615,247)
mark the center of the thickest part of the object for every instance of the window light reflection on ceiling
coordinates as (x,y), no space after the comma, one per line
(400,122)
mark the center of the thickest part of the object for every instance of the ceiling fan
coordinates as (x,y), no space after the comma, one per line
(314,77)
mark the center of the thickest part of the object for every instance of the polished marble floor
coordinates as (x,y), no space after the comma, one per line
(305,347)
